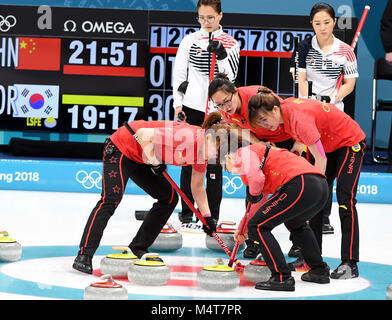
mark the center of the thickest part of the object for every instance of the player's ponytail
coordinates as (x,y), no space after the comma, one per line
(264,100)
(213,118)
(226,137)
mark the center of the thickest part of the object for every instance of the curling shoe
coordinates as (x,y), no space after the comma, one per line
(185,218)
(328,229)
(295,252)
(346,270)
(298,265)
(83,263)
(138,252)
(275,285)
(251,250)
(320,275)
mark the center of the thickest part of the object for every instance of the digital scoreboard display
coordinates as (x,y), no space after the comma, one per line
(82,70)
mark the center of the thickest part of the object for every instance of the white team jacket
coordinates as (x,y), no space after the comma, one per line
(192,64)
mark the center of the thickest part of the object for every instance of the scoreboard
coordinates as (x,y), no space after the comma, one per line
(266,43)
(90,70)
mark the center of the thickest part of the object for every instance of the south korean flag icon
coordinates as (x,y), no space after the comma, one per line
(36,101)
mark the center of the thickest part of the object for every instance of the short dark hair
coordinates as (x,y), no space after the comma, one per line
(322,6)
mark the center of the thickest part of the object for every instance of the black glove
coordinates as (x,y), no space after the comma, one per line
(159,169)
(181,116)
(217,46)
(211,226)
(253,199)
(326,99)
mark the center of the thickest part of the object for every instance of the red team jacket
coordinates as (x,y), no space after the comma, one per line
(280,167)
(175,143)
(308,121)
(242,119)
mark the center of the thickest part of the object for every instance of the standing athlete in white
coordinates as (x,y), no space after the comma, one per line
(190,88)
(322,59)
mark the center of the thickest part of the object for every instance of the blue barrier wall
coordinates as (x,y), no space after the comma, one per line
(369,48)
(83,176)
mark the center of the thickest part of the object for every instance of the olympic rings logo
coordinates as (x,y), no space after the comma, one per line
(89,180)
(230,186)
(7,23)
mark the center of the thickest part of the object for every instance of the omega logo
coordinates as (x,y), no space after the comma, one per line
(70,25)
(103,27)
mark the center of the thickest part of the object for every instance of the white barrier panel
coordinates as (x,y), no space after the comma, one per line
(86,176)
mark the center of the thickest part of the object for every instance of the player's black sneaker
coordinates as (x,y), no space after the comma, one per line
(139,252)
(295,252)
(328,229)
(276,285)
(251,250)
(320,275)
(185,218)
(83,263)
(346,270)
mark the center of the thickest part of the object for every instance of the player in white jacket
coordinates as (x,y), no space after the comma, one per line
(190,88)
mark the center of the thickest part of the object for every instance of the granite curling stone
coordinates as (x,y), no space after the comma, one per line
(150,270)
(117,264)
(107,289)
(218,278)
(10,249)
(389,292)
(257,270)
(168,239)
(225,234)
(141,214)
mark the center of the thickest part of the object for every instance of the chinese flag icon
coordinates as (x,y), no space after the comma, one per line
(39,54)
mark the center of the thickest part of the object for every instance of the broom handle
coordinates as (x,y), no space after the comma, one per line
(196,212)
(212,62)
(296,66)
(241,229)
(353,45)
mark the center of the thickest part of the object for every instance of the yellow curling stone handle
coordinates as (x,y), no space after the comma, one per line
(5,238)
(126,254)
(148,263)
(220,267)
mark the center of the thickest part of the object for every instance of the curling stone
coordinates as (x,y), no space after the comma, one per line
(168,239)
(227,236)
(150,270)
(389,292)
(218,278)
(105,290)
(10,249)
(141,214)
(257,270)
(117,264)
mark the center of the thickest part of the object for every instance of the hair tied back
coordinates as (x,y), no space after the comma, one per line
(263,90)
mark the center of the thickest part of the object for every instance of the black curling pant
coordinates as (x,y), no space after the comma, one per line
(117,169)
(294,204)
(213,190)
(344,164)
